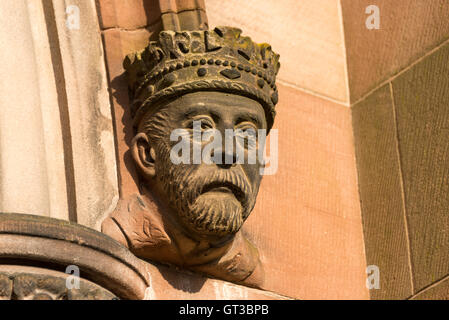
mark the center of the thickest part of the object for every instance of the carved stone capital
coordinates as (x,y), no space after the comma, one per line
(35,252)
(32,283)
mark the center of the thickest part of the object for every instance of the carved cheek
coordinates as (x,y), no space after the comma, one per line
(252,173)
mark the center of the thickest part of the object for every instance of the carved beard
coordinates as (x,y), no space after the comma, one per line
(207,213)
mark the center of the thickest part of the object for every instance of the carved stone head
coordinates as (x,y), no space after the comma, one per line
(223,81)
(193,84)
(210,200)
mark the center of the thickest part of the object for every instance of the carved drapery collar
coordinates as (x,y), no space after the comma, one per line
(138,224)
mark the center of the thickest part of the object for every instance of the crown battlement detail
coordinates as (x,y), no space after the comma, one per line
(188,61)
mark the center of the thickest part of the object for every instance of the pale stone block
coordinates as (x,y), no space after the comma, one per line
(57,151)
(31,156)
(307,34)
(49,107)
(91,128)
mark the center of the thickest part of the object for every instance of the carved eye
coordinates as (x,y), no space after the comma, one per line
(206,125)
(200,123)
(244,126)
(246,134)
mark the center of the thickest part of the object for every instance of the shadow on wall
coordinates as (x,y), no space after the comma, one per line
(192,283)
(120,93)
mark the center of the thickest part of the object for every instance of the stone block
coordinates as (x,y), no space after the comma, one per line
(408,30)
(128,14)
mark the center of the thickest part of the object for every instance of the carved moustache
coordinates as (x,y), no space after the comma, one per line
(233,180)
(218,217)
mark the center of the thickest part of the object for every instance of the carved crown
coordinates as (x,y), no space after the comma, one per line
(188,61)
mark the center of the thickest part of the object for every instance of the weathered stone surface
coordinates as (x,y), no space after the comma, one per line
(381,198)
(307,34)
(169,283)
(402,144)
(5,287)
(438,291)
(408,30)
(181,15)
(307,222)
(88,124)
(128,14)
(32,174)
(118,44)
(31,283)
(185,20)
(61,243)
(56,71)
(181,5)
(421,97)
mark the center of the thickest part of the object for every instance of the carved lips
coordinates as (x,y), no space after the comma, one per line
(226,187)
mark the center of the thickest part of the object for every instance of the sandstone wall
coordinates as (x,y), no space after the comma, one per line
(57,155)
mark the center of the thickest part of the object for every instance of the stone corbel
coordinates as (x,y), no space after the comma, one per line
(189,66)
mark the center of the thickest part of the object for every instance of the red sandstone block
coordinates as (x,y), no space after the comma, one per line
(171,284)
(307,222)
(181,5)
(118,44)
(128,14)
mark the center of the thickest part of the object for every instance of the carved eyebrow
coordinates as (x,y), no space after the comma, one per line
(195,110)
(249,117)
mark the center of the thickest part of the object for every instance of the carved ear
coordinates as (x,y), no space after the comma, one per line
(144,155)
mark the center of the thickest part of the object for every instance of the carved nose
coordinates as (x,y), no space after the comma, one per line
(224,160)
